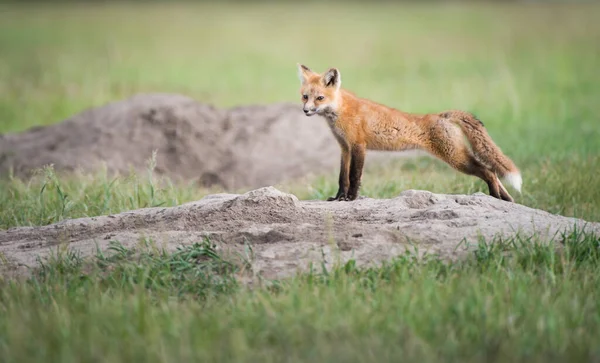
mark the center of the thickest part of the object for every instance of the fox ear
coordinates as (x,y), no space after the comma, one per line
(332,78)
(303,72)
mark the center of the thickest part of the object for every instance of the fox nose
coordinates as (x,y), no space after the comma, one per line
(305,110)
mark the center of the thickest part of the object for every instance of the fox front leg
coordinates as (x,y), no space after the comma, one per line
(344,179)
(357,162)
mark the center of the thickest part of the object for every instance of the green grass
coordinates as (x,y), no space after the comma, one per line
(535,304)
(530,72)
(48,198)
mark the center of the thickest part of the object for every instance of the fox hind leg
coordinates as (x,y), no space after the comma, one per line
(497,190)
(503,192)
(457,155)
(476,168)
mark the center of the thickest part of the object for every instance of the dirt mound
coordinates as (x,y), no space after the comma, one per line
(249,146)
(287,234)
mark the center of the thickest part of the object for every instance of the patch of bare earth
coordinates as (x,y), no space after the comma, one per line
(287,235)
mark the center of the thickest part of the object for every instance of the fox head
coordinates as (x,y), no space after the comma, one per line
(319,92)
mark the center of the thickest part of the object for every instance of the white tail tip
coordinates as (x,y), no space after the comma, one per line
(515,180)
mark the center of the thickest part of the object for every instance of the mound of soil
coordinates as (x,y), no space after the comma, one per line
(249,146)
(286,234)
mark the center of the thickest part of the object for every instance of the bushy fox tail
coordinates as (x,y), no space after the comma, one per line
(487,151)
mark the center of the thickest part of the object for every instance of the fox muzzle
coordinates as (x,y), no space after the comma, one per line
(309,111)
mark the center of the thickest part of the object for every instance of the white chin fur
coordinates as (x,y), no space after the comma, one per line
(515,180)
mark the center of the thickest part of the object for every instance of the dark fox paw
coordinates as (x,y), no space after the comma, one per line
(343,197)
(352,196)
(338,197)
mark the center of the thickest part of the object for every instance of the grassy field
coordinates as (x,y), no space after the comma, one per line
(538,306)
(530,72)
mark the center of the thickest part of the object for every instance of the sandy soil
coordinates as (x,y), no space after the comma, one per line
(286,234)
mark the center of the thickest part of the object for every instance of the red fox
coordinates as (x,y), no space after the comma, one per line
(359,124)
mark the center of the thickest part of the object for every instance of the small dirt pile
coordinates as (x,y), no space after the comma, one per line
(249,146)
(287,234)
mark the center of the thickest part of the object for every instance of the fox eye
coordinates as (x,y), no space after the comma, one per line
(320,98)
(305,97)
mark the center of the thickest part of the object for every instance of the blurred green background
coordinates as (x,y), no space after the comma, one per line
(530,71)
